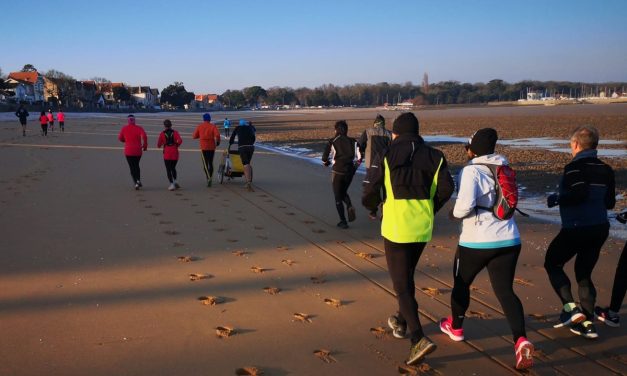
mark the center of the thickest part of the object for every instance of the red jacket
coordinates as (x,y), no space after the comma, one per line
(170,152)
(208,134)
(61,116)
(50,117)
(43,120)
(134,139)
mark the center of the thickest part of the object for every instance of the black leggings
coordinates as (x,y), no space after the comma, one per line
(207,162)
(402,259)
(341,182)
(620,282)
(133,164)
(170,169)
(585,243)
(44,129)
(501,265)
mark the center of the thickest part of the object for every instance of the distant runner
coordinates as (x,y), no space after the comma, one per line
(209,140)
(43,121)
(245,142)
(61,119)
(341,151)
(586,192)
(135,141)
(485,242)
(227,126)
(170,140)
(22,114)
(417,184)
(50,116)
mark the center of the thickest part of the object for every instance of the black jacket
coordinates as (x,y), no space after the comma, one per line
(412,165)
(343,148)
(22,113)
(245,135)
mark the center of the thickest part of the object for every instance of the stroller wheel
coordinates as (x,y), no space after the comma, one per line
(221,174)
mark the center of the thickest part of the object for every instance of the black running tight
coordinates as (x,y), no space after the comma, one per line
(585,243)
(620,282)
(207,162)
(341,182)
(170,169)
(501,265)
(402,259)
(44,129)
(133,164)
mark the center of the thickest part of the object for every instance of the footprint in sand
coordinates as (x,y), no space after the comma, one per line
(219,229)
(381,332)
(431,291)
(142,200)
(257,269)
(419,370)
(178,194)
(522,282)
(165,222)
(148,206)
(333,302)
(288,262)
(211,220)
(308,221)
(199,212)
(262,237)
(193,205)
(324,355)
(171,232)
(187,258)
(211,300)
(258,227)
(224,331)
(290,213)
(318,279)
(268,200)
(272,290)
(249,371)
(177,244)
(478,290)
(239,253)
(156,214)
(282,207)
(302,317)
(282,248)
(198,276)
(478,314)
(232,240)
(318,231)
(365,256)
(242,219)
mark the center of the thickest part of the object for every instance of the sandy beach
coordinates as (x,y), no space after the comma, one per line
(100,279)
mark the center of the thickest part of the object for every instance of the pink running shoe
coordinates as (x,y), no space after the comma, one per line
(446,326)
(524,353)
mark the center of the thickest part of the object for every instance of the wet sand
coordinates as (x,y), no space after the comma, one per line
(92,282)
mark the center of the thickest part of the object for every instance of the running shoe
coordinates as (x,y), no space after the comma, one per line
(524,353)
(177,185)
(399,329)
(208,182)
(609,318)
(342,225)
(136,186)
(171,187)
(446,326)
(249,187)
(575,316)
(139,183)
(419,350)
(585,329)
(351,213)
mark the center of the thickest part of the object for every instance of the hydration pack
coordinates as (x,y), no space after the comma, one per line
(506,192)
(169,137)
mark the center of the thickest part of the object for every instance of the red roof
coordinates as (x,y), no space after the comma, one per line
(30,77)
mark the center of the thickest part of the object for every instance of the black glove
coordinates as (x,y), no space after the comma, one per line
(552,200)
(622,217)
(326,163)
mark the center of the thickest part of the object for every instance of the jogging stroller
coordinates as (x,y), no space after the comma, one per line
(231,164)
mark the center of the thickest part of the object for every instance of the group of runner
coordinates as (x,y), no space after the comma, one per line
(410,182)
(136,142)
(46,120)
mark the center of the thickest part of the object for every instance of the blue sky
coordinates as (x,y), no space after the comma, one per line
(212,46)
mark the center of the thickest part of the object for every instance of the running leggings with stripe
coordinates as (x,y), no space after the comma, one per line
(402,259)
(133,164)
(585,243)
(207,162)
(170,169)
(501,265)
(620,282)
(341,182)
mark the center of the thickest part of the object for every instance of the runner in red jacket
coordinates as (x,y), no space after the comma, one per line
(135,140)
(170,140)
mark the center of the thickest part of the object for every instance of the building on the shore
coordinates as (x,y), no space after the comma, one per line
(535,95)
(27,86)
(206,102)
(144,96)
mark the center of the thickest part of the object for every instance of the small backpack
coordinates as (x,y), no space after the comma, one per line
(506,192)
(169,137)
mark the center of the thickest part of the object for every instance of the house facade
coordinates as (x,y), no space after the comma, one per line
(29,86)
(145,96)
(207,102)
